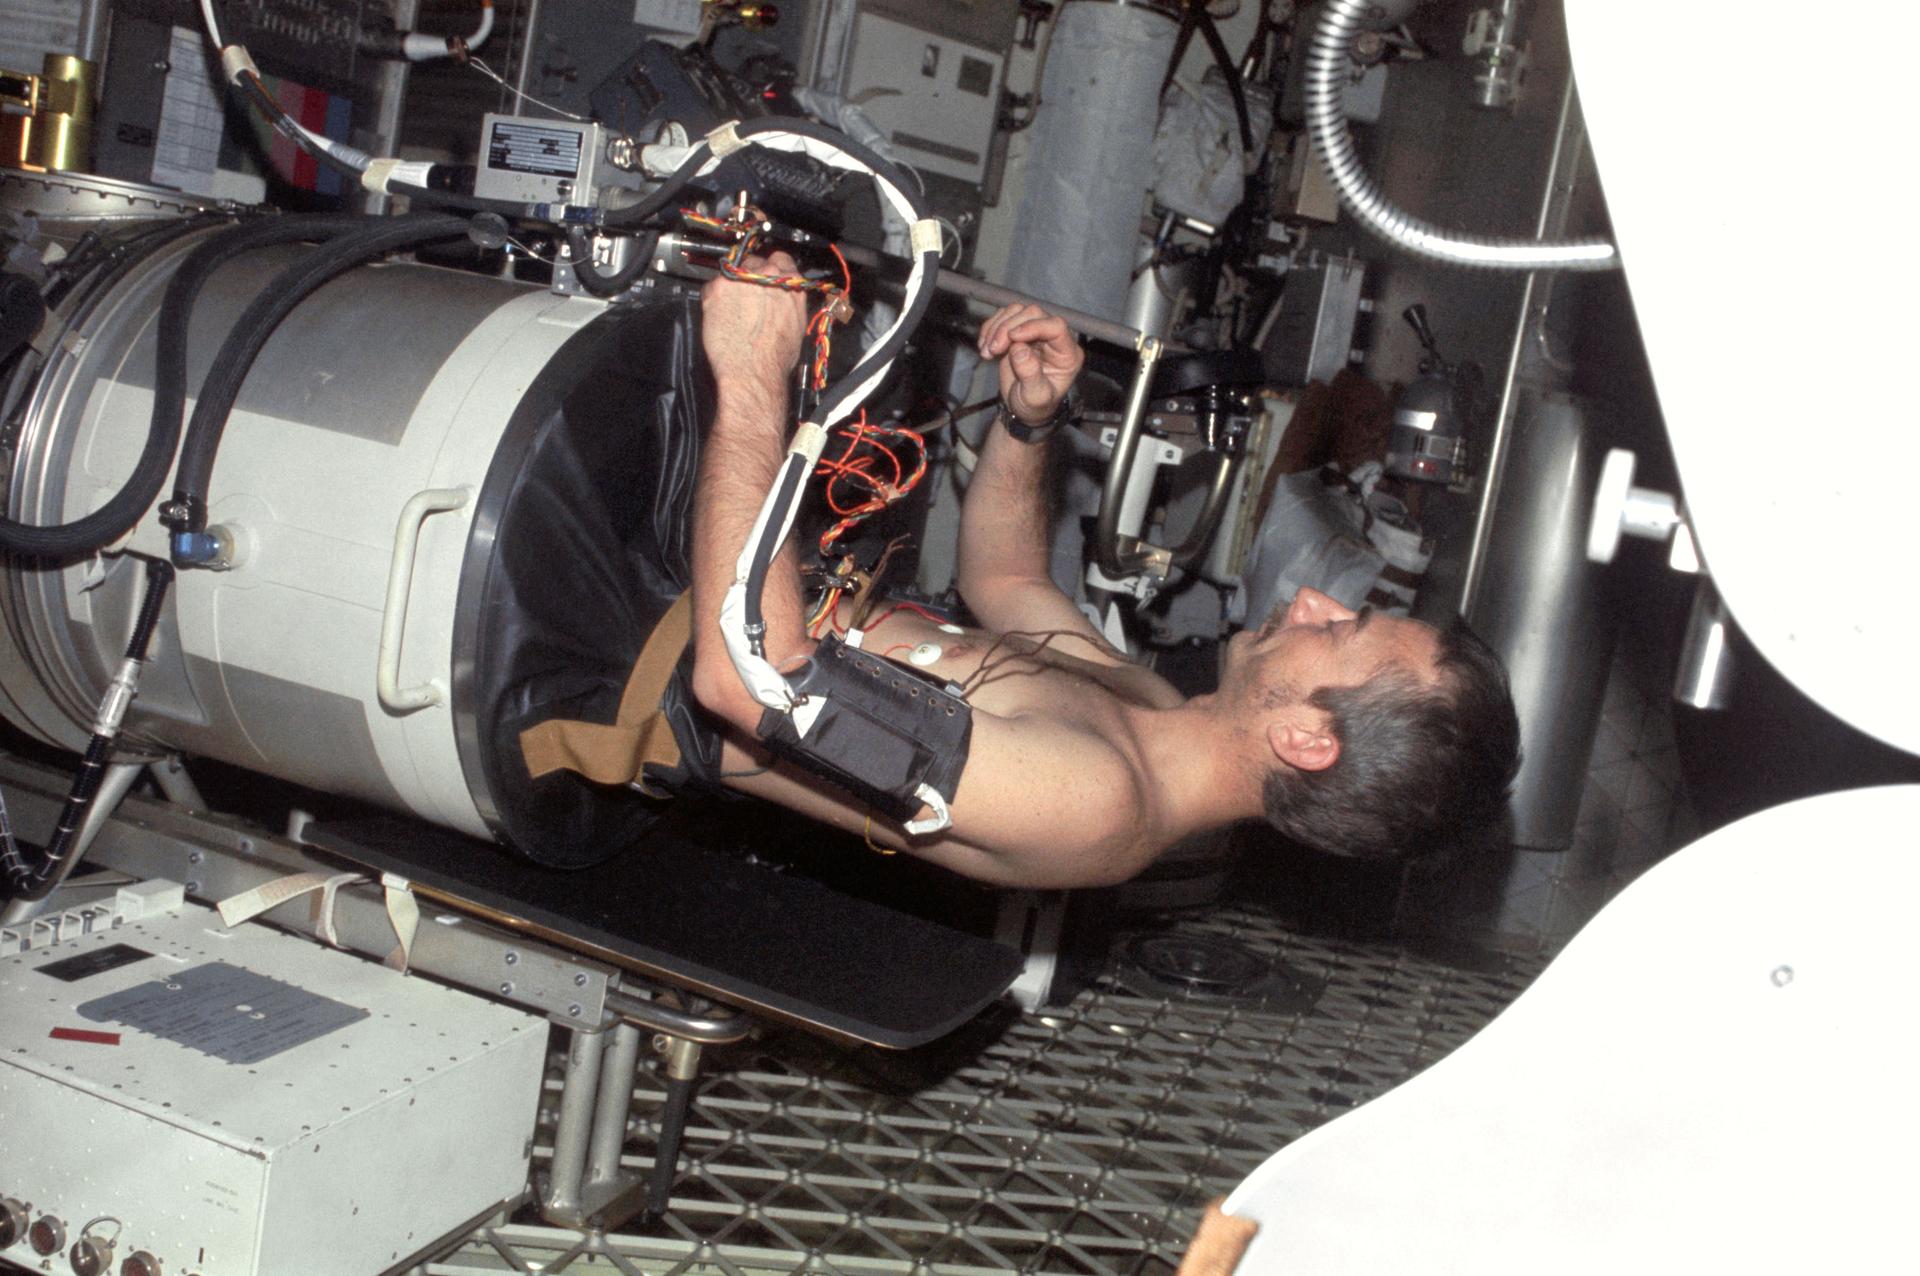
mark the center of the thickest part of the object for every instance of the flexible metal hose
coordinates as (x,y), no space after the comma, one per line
(1325,73)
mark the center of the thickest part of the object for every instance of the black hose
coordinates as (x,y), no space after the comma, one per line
(613,283)
(37,881)
(187,511)
(428,197)
(794,473)
(123,509)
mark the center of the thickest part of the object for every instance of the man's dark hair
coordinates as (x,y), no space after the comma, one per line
(1419,762)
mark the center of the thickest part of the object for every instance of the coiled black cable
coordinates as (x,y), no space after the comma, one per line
(187,511)
(123,509)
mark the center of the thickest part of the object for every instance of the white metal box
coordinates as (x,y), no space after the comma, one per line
(246,1103)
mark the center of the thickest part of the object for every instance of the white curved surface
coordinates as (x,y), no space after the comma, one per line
(1662,1099)
(1751,158)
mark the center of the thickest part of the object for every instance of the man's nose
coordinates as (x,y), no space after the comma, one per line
(1311,607)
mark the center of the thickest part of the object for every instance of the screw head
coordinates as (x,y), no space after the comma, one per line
(513,958)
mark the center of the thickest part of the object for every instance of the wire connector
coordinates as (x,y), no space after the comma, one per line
(119,695)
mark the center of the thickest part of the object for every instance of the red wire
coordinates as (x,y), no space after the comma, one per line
(912,607)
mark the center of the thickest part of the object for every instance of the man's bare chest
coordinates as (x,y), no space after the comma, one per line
(1018,675)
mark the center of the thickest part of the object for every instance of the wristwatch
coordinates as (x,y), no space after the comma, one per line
(1066,410)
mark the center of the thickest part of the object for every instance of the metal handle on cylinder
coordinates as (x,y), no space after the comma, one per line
(393,617)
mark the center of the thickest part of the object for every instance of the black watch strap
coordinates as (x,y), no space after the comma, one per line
(1067,410)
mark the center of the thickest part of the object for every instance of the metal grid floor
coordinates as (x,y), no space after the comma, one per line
(1080,1141)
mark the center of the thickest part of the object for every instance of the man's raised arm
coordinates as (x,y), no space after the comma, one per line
(1003,567)
(752,339)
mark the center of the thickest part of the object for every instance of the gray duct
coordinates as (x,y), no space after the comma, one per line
(1325,73)
(1091,156)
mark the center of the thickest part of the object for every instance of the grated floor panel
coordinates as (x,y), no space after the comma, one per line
(1080,1141)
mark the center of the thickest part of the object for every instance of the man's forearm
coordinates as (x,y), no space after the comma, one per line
(742,457)
(1003,521)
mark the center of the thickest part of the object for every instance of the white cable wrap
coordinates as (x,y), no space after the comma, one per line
(927,237)
(380,174)
(760,677)
(235,61)
(725,140)
(418,47)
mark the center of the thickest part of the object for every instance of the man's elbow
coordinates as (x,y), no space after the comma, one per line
(718,689)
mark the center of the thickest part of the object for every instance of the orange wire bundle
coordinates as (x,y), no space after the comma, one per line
(857,469)
(868,446)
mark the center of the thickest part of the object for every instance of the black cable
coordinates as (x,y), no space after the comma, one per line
(186,512)
(123,509)
(662,195)
(792,476)
(879,356)
(427,197)
(613,283)
(37,881)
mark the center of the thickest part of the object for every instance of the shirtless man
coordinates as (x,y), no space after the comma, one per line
(1358,732)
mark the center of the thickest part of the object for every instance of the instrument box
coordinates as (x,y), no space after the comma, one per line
(242,1102)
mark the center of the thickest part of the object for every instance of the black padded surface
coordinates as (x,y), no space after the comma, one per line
(767,941)
(580,544)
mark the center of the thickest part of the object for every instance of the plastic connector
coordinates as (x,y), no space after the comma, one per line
(211,549)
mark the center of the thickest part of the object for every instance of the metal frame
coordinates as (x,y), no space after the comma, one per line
(1081,1141)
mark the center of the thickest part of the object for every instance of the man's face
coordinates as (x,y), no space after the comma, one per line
(1315,642)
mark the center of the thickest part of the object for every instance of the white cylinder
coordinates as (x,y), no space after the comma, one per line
(1091,156)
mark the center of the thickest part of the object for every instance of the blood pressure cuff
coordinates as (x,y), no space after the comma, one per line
(876,729)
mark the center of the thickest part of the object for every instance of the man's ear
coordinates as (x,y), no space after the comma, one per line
(1304,748)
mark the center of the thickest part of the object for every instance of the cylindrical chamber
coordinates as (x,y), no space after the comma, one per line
(563,424)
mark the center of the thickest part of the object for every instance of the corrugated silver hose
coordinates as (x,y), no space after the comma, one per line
(1325,79)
